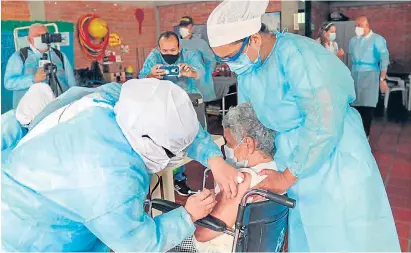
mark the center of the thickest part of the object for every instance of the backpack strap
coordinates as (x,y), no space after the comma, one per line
(59,54)
(24,52)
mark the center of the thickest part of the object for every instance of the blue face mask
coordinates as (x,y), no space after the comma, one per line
(240,62)
(332,36)
(243,63)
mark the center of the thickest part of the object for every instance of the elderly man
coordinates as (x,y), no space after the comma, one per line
(87,168)
(249,148)
(197,45)
(170,52)
(370,59)
(23,68)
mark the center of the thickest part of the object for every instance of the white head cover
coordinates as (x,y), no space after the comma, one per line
(234,20)
(33,102)
(161,110)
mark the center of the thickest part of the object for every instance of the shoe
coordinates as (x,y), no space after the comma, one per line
(182,188)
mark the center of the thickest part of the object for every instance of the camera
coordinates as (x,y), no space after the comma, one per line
(171,70)
(48,38)
(50,69)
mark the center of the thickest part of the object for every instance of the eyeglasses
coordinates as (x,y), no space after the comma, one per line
(234,57)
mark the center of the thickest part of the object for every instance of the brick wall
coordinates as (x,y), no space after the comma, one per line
(170,15)
(15,10)
(319,13)
(121,20)
(393,22)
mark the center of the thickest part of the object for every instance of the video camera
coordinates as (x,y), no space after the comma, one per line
(49,67)
(48,38)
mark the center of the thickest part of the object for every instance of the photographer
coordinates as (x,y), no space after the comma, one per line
(169,52)
(23,68)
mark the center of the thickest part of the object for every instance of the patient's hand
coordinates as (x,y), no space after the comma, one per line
(277,182)
(200,205)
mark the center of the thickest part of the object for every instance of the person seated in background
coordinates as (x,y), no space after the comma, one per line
(78,181)
(169,52)
(23,68)
(250,148)
(326,37)
(196,44)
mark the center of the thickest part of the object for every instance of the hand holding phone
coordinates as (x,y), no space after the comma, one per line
(171,70)
(156,72)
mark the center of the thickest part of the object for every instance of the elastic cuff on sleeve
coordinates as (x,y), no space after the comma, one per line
(184,214)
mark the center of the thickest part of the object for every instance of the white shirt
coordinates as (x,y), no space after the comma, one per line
(224,242)
(332,46)
(369,35)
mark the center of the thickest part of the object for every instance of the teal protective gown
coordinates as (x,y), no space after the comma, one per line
(304,92)
(369,56)
(81,187)
(188,57)
(206,55)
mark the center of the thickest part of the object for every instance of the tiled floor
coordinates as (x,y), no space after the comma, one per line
(391,145)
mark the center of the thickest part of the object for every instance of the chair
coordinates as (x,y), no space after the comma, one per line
(399,87)
(222,87)
(259,227)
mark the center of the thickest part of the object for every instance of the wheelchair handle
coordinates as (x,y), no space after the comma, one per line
(280,199)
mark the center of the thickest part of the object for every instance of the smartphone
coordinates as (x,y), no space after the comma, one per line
(171,70)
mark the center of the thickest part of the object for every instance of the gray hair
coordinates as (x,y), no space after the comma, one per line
(242,121)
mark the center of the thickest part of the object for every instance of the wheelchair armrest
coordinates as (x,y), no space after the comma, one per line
(212,223)
(209,222)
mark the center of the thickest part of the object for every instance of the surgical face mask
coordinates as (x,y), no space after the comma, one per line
(170,58)
(243,63)
(359,31)
(332,36)
(176,160)
(39,45)
(184,32)
(231,159)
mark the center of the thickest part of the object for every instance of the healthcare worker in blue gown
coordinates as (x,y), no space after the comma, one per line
(78,179)
(303,92)
(196,44)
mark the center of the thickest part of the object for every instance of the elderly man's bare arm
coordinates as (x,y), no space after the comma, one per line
(225,210)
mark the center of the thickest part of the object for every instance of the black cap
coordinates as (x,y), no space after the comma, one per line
(186,20)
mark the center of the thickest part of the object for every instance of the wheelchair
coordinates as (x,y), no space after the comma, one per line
(259,227)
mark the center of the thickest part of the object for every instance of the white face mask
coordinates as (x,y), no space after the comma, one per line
(176,160)
(39,45)
(359,31)
(231,159)
(184,32)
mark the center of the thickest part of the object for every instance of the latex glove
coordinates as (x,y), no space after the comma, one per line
(200,205)
(226,176)
(276,182)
